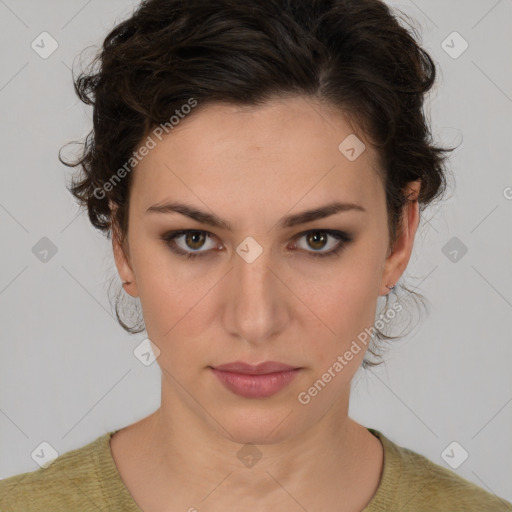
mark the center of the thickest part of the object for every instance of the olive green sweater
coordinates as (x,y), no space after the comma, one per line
(86,480)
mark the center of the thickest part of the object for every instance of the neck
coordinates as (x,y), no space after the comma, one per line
(335,459)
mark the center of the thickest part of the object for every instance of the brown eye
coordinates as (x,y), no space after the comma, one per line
(317,239)
(322,243)
(189,243)
(195,239)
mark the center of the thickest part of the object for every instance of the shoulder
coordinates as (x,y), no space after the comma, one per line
(422,485)
(70,482)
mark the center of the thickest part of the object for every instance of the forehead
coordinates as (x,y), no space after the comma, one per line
(283,152)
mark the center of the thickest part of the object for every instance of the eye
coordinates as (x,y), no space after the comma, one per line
(319,239)
(190,240)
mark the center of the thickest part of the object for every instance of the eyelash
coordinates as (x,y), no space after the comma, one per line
(342,236)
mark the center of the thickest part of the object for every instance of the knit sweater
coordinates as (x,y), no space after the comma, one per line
(86,479)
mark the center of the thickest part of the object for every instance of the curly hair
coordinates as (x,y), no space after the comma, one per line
(352,55)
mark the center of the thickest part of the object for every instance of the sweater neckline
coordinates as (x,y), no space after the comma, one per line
(117,494)
(384,496)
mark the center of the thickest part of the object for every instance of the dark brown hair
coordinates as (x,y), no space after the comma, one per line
(353,55)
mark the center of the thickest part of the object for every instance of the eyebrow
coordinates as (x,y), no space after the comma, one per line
(211,219)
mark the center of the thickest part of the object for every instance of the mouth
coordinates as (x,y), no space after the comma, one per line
(255,381)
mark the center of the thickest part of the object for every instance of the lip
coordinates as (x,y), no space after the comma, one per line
(258,369)
(255,381)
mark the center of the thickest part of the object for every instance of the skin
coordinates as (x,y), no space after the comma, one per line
(252,166)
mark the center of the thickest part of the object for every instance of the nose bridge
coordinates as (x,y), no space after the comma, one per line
(256,309)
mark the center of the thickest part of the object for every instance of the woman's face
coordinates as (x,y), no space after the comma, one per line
(266,282)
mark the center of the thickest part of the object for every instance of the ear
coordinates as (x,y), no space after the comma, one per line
(397,261)
(122,259)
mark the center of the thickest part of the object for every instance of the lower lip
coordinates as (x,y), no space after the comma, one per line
(255,386)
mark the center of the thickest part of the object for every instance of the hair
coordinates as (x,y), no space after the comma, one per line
(354,56)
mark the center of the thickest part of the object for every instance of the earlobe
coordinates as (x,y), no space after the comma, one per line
(126,283)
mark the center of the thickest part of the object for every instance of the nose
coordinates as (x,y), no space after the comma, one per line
(258,307)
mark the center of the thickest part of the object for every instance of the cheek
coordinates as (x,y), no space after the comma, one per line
(346,303)
(162,289)
(176,301)
(172,304)
(174,320)
(352,289)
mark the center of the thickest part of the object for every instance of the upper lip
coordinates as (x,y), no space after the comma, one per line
(259,369)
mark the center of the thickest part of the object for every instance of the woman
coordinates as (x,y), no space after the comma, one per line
(261,167)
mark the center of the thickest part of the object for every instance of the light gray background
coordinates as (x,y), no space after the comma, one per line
(67,370)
